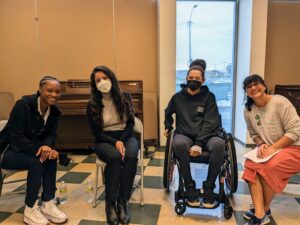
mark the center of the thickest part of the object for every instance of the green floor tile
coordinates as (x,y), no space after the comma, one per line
(66,168)
(92,222)
(90,159)
(153,182)
(156,162)
(147,214)
(4,216)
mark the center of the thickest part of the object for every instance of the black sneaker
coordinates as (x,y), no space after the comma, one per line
(208,187)
(191,194)
(208,203)
(193,201)
(256,221)
(250,213)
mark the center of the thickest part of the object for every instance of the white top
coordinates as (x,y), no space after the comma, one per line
(277,118)
(40,111)
(111,118)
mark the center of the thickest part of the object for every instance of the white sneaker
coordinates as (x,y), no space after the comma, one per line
(33,216)
(53,213)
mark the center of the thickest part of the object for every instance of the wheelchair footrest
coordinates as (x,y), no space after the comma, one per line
(200,195)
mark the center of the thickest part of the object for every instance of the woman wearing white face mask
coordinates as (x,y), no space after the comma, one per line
(111,119)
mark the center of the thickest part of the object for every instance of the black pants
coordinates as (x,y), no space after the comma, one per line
(119,174)
(215,145)
(39,174)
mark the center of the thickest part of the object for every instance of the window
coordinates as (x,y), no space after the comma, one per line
(206,30)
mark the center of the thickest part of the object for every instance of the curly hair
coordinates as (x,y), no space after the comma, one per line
(96,105)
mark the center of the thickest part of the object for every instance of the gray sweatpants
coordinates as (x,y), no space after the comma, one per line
(215,145)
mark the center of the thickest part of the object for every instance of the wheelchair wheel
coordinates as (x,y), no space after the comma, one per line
(180,208)
(228,211)
(169,164)
(166,161)
(231,171)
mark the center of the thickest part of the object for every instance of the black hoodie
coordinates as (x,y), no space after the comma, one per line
(197,116)
(25,130)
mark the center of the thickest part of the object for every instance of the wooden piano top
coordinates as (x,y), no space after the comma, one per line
(76,93)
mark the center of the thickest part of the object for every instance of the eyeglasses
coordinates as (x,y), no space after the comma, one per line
(253,84)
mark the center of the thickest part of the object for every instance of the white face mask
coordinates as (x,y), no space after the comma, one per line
(104,86)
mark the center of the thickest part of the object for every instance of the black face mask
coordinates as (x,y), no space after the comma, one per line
(193,84)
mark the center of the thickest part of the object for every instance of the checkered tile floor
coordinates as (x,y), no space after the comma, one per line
(159,206)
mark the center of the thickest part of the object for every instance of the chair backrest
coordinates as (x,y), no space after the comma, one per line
(138,125)
(7,102)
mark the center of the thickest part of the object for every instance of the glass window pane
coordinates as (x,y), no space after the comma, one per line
(205,29)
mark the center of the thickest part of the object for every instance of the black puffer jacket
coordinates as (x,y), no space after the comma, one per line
(25,130)
(197,116)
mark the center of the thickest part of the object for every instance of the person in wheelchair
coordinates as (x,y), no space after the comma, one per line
(197,123)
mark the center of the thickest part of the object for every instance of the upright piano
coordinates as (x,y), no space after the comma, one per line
(73,128)
(291,92)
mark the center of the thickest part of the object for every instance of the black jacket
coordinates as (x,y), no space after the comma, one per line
(197,116)
(25,130)
(112,136)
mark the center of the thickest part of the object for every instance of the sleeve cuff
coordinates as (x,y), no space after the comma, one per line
(292,136)
(199,143)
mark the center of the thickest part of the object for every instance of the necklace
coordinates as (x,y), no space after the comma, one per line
(261,109)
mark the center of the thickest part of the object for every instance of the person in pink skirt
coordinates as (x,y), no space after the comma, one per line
(273,124)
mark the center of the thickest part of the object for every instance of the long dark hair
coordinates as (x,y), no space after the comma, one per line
(254,78)
(96,96)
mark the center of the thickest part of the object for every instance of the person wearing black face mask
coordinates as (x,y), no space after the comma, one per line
(193,84)
(197,122)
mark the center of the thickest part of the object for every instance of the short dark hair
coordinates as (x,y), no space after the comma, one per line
(198,62)
(200,68)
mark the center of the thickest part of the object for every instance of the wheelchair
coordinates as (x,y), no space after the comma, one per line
(228,175)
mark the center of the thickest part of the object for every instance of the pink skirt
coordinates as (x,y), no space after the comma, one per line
(277,170)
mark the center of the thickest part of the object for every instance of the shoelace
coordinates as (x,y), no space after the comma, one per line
(36,212)
(54,209)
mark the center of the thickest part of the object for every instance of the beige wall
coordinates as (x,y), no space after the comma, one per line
(167,58)
(70,37)
(283,44)
(18,49)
